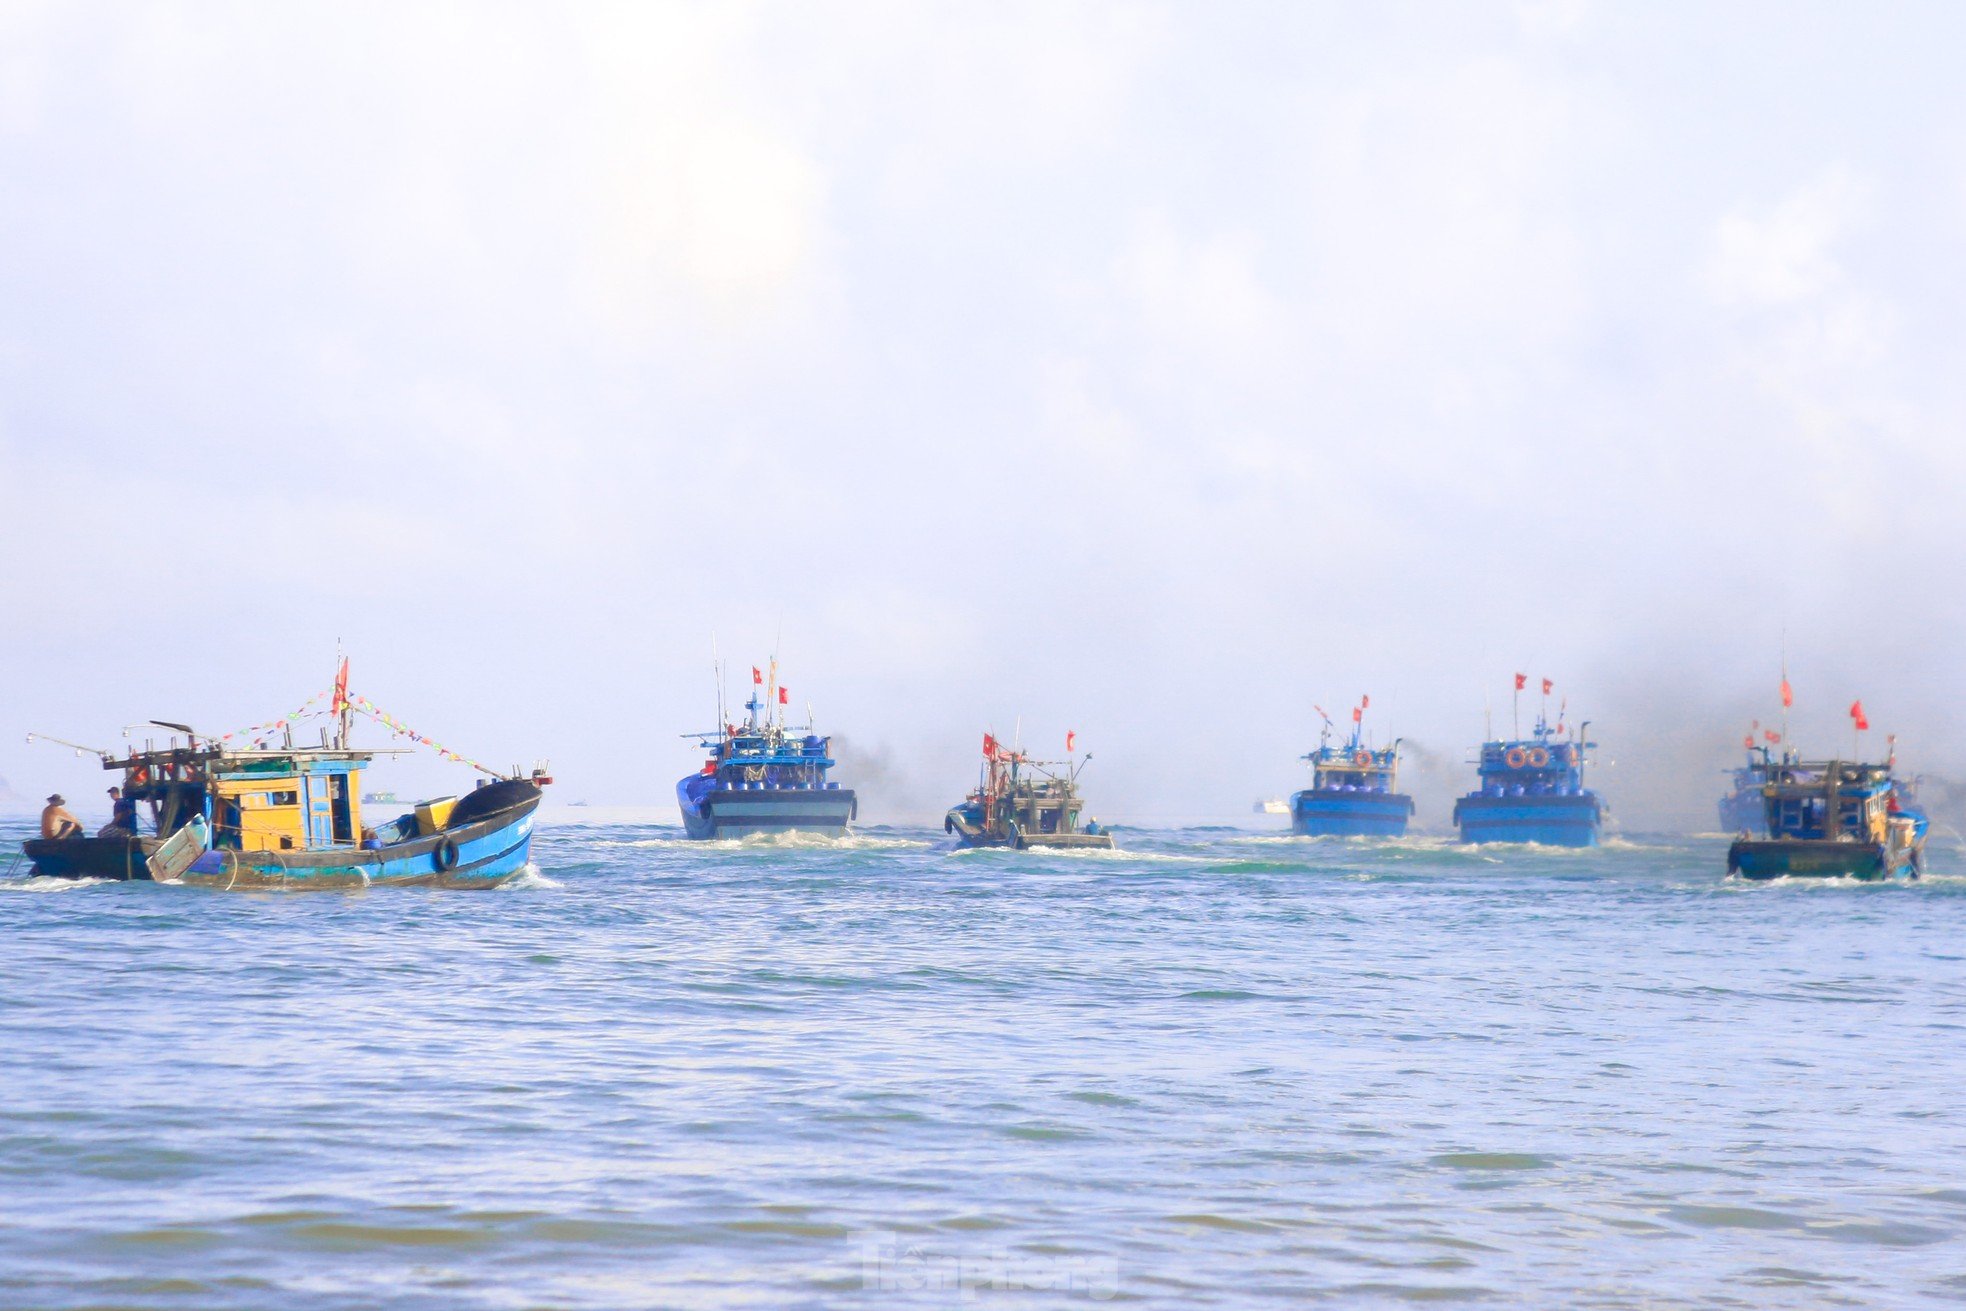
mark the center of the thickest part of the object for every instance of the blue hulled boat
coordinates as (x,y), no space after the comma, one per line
(291,816)
(1354,789)
(1532,790)
(1832,819)
(762,777)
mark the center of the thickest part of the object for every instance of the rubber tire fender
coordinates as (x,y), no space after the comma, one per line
(444,855)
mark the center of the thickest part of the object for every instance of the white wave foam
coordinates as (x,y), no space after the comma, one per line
(774,841)
(1093,853)
(529,878)
(1408,842)
(47,883)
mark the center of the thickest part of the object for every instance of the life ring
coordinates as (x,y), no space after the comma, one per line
(1517,757)
(1361,757)
(139,776)
(1538,757)
(444,856)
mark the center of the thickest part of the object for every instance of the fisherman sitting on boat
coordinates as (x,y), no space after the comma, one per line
(122,816)
(57,822)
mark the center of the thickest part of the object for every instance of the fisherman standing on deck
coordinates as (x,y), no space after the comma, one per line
(57,822)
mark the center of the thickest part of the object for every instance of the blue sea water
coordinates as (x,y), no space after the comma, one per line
(1217,1068)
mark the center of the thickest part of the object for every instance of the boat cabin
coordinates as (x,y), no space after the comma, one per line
(1354,768)
(295,799)
(1835,800)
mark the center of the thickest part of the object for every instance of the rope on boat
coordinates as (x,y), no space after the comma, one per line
(397,726)
(307,710)
(297,715)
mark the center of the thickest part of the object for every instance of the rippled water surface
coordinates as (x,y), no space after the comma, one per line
(1217,1069)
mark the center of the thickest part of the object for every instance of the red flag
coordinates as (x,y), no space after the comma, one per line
(1521,681)
(1070,737)
(1358,714)
(1857,715)
(1547,685)
(1772,736)
(1364,701)
(1749,743)
(757,677)
(989,746)
(1788,694)
(784,697)
(341,687)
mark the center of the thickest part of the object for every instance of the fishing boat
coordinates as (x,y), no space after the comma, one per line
(1832,819)
(1354,789)
(1741,810)
(763,777)
(1532,788)
(282,815)
(1023,803)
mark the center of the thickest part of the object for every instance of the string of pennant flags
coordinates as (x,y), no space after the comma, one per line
(257,732)
(339,696)
(398,727)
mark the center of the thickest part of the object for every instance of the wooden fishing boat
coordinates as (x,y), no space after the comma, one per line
(1832,819)
(1023,803)
(292,816)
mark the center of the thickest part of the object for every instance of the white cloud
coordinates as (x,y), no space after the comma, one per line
(1785,253)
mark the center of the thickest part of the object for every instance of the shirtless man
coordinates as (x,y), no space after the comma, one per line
(56,822)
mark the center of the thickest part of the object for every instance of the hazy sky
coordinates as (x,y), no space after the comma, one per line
(1148,370)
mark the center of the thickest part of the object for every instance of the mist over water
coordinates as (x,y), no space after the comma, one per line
(1129,370)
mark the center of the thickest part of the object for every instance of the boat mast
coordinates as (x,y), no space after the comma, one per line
(717,674)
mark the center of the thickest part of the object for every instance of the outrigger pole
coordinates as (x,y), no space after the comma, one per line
(76,747)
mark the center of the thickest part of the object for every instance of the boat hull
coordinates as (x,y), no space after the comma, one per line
(118,858)
(481,851)
(1556,820)
(1322,812)
(970,834)
(1809,858)
(726,812)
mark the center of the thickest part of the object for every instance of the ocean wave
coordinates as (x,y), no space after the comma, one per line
(773,842)
(530,878)
(48,883)
(1406,842)
(1104,853)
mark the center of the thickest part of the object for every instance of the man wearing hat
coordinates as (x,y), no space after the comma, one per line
(56,822)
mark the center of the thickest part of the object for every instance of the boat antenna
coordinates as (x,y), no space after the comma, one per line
(717,673)
(772,709)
